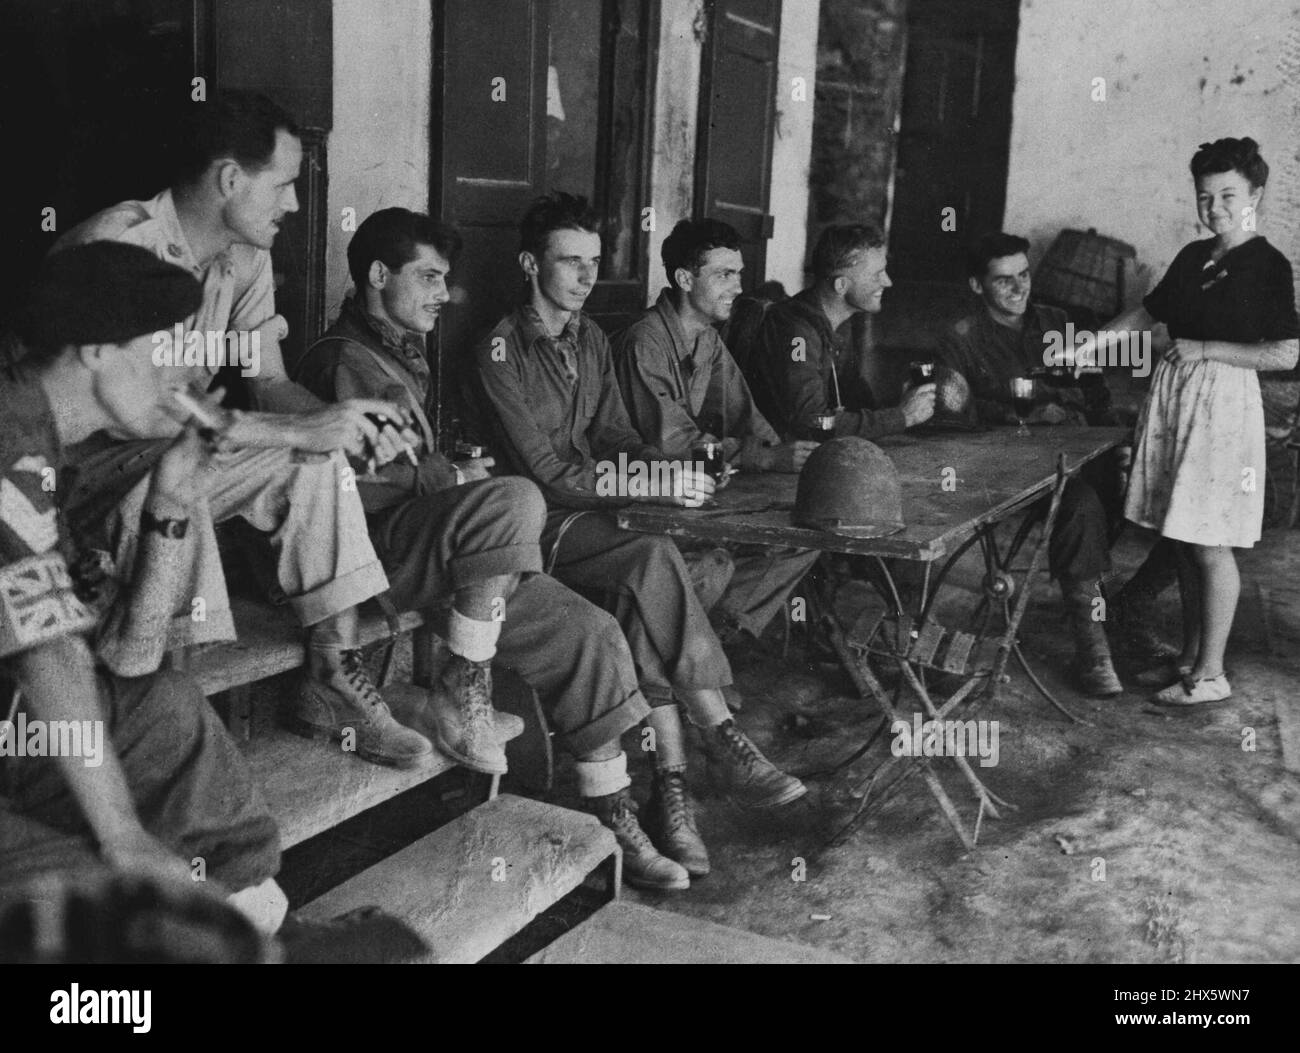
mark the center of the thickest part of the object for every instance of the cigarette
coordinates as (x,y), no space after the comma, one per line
(410,456)
(196,409)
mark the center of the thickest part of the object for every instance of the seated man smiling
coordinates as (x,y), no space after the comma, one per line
(420,515)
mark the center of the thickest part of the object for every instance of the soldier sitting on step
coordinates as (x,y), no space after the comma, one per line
(565,647)
(546,383)
(156,785)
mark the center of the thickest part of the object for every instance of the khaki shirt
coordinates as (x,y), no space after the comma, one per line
(238,289)
(549,425)
(677,390)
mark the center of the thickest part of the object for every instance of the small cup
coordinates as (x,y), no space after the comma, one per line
(824,426)
(710,454)
(921,373)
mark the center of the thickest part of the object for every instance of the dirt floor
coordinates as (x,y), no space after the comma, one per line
(1144,837)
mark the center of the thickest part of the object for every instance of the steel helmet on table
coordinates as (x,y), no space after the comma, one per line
(849,486)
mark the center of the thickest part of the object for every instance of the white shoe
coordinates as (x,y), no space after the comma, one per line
(1194,692)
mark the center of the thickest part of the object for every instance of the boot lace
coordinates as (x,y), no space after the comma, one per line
(353,668)
(737,743)
(623,819)
(674,802)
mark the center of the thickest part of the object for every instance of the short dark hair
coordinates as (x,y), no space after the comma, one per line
(691,240)
(392,236)
(236,124)
(838,246)
(1231,155)
(990,247)
(556,211)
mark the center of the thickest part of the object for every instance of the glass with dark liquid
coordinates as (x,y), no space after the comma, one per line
(1022,399)
(921,373)
(710,455)
(823,427)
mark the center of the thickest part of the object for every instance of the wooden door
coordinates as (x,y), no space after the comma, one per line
(955,134)
(733,173)
(489,148)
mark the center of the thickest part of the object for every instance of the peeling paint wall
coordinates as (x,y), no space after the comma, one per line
(1178,73)
(676,119)
(379,148)
(859,94)
(792,143)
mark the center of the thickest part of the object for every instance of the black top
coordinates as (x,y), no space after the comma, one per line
(1246,298)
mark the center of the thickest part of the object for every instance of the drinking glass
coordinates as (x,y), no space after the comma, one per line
(1022,398)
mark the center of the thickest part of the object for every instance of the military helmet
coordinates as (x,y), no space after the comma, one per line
(953,394)
(849,486)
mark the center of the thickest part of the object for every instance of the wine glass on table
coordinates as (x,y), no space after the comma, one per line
(1022,399)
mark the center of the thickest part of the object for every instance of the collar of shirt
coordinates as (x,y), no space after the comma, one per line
(806,306)
(688,351)
(534,328)
(1029,335)
(171,240)
(401,344)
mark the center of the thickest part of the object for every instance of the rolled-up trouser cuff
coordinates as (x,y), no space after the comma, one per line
(334,597)
(608,727)
(508,559)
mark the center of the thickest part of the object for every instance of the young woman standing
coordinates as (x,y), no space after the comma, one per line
(1198,463)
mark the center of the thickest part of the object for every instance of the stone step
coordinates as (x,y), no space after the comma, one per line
(313,785)
(472,884)
(624,933)
(270,642)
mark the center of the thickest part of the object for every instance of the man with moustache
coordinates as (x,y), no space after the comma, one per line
(240,156)
(682,388)
(422,514)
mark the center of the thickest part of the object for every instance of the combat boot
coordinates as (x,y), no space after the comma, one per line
(1093,670)
(743,773)
(346,707)
(1132,612)
(670,822)
(643,865)
(464,723)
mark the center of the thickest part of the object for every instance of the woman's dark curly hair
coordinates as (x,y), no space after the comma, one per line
(1231,155)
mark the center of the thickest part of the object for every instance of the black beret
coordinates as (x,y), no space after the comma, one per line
(105,293)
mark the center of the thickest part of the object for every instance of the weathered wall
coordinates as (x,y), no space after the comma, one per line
(792,142)
(379,148)
(1178,73)
(676,120)
(859,91)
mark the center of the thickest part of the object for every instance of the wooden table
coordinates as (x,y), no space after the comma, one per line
(957,487)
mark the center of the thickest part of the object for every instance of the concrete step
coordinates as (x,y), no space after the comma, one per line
(623,933)
(312,785)
(270,642)
(474,883)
